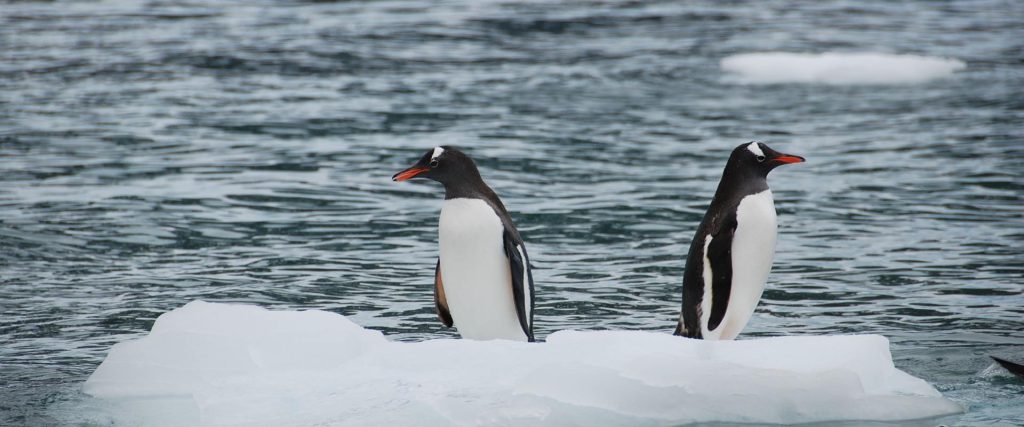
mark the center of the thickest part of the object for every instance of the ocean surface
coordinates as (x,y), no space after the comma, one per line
(157,152)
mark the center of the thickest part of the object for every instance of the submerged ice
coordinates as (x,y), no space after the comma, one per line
(227,365)
(837,68)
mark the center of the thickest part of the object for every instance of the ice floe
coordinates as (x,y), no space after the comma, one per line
(837,68)
(236,365)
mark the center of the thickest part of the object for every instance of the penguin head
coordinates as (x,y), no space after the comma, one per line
(444,164)
(757,157)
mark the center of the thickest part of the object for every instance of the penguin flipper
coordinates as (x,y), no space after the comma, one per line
(522,280)
(440,302)
(719,253)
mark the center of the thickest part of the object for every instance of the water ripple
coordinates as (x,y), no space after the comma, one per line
(157,153)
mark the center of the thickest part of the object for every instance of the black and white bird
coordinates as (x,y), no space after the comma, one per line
(482,281)
(731,254)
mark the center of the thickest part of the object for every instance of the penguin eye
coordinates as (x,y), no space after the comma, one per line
(433,163)
(760,158)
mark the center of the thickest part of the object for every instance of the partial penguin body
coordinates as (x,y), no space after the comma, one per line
(482,281)
(732,252)
(475,271)
(751,253)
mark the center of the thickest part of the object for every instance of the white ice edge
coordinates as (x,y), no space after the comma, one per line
(233,365)
(837,68)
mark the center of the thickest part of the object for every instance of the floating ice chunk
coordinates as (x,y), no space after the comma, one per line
(230,365)
(837,68)
(203,342)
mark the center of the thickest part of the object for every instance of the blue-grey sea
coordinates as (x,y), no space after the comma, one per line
(156,152)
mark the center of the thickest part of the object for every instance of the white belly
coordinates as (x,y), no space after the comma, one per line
(475,271)
(753,249)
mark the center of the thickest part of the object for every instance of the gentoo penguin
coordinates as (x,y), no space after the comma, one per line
(482,280)
(731,254)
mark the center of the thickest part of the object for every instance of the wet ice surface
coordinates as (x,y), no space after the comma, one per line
(157,153)
(218,364)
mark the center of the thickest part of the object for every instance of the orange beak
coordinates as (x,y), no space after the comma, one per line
(408,173)
(787,159)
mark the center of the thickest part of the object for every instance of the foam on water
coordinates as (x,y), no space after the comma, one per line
(837,68)
(218,364)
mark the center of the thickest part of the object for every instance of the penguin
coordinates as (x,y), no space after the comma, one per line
(482,280)
(731,253)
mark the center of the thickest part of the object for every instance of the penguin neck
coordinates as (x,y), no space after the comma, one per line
(477,189)
(467,189)
(738,182)
(463,181)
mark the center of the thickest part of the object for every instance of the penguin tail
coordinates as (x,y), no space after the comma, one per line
(683,331)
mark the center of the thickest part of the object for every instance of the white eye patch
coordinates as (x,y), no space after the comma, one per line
(437,152)
(755,148)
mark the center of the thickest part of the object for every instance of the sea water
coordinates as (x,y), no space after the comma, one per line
(157,153)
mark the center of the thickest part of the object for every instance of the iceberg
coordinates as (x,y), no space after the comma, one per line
(837,68)
(236,365)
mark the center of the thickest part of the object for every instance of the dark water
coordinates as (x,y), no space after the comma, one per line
(153,153)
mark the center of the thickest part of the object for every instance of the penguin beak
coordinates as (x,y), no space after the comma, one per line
(788,158)
(408,173)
